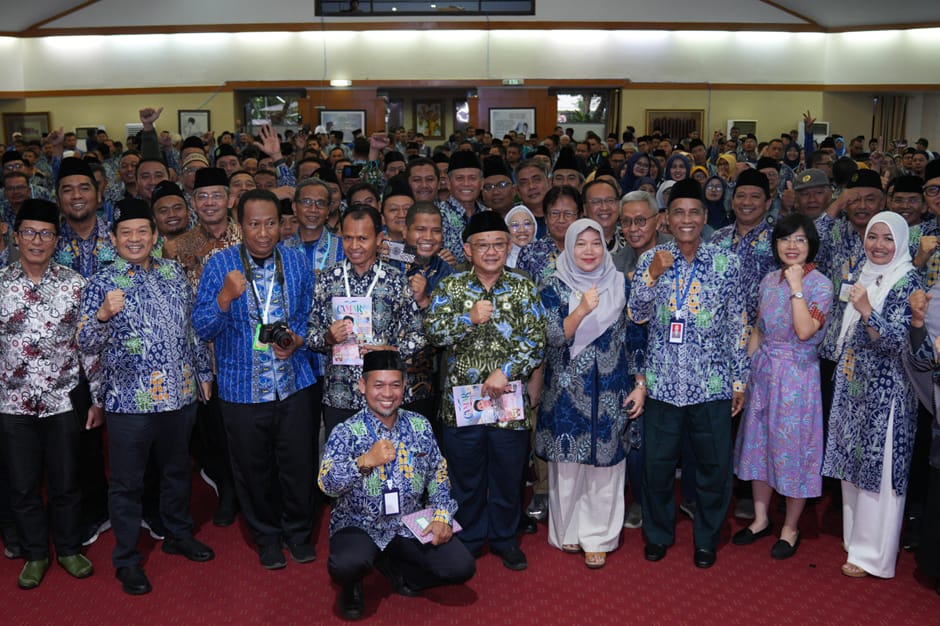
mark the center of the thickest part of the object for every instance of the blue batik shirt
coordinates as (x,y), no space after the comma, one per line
(755,250)
(85,256)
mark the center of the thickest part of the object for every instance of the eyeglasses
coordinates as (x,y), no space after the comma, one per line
(639,222)
(317,202)
(713,188)
(14,165)
(16,189)
(800,241)
(518,225)
(568,215)
(29,234)
(499,246)
(217,196)
(500,185)
(932,191)
(596,203)
(911,200)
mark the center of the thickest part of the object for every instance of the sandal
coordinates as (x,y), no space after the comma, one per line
(853,571)
(570,548)
(595,560)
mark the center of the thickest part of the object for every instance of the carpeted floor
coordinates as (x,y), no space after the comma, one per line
(745,587)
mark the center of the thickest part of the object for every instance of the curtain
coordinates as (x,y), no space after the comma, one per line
(890,118)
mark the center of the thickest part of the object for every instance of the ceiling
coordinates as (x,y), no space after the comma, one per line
(72,17)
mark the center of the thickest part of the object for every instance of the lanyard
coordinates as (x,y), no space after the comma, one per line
(683,294)
(267,301)
(853,266)
(326,252)
(375,438)
(278,277)
(378,272)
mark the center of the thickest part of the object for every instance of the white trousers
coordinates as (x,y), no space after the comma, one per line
(871,522)
(585,505)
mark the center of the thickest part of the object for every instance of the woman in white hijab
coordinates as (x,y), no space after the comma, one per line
(522,228)
(874,410)
(594,389)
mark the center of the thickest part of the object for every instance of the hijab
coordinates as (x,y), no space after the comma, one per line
(645,180)
(660,193)
(879,279)
(717,212)
(608,281)
(732,162)
(667,173)
(629,178)
(793,164)
(516,249)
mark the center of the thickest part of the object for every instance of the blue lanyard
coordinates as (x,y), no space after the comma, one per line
(853,266)
(375,438)
(326,252)
(683,294)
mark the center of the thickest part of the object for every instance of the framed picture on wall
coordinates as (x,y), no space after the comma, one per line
(346,121)
(677,123)
(429,118)
(193,123)
(521,120)
(31,125)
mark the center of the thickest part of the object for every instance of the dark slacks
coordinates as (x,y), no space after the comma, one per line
(132,438)
(333,416)
(210,444)
(273,451)
(928,550)
(486,465)
(353,553)
(32,446)
(709,429)
(92,478)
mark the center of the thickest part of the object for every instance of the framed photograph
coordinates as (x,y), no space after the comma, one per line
(346,121)
(32,125)
(677,123)
(429,118)
(193,123)
(521,120)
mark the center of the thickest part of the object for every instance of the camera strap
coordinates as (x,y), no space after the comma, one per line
(256,295)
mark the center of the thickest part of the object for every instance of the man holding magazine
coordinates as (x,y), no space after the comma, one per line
(493,323)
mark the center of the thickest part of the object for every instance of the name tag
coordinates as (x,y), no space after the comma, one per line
(390,500)
(844,290)
(257,345)
(676,331)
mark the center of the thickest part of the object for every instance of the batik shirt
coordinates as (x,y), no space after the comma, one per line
(40,361)
(193,248)
(85,256)
(151,359)
(419,472)
(538,259)
(711,362)
(36,192)
(247,375)
(321,254)
(755,251)
(841,249)
(396,321)
(454,220)
(512,340)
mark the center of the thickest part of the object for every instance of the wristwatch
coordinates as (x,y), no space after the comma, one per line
(796,294)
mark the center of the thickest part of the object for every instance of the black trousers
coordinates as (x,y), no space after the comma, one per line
(210,444)
(33,446)
(273,451)
(709,429)
(422,565)
(132,438)
(92,478)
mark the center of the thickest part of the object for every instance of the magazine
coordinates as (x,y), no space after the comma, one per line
(418,522)
(472,407)
(358,310)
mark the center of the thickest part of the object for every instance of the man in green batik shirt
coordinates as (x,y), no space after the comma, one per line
(492,321)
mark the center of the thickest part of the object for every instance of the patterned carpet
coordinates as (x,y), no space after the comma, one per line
(745,587)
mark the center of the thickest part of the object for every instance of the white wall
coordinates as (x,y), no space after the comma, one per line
(62,63)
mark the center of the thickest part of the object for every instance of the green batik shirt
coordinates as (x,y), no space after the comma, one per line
(512,340)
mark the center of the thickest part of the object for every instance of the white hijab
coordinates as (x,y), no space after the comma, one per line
(879,279)
(515,250)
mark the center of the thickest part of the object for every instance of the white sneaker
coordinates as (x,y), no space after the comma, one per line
(634,518)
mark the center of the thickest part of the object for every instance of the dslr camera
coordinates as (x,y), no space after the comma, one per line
(277,333)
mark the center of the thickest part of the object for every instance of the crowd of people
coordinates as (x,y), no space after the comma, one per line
(585,316)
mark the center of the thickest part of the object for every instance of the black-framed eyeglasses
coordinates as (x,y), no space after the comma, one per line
(29,234)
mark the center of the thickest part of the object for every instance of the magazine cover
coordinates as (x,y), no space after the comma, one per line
(472,407)
(358,310)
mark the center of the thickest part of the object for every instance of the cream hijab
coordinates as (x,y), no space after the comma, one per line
(879,279)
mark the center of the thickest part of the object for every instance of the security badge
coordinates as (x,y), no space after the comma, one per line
(845,289)
(676,328)
(390,499)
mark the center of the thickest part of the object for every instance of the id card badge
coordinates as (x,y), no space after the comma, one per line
(390,500)
(257,345)
(844,290)
(676,331)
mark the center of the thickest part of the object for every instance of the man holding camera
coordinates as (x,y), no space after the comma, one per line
(253,303)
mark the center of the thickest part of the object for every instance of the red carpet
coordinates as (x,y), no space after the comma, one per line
(745,587)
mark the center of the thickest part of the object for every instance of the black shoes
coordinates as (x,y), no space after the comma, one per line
(133,580)
(351,601)
(191,548)
(783,550)
(654,552)
(703,558)
(513,558)
(746,536)
(301,552)
(527,525)
(271,557)
(388,569)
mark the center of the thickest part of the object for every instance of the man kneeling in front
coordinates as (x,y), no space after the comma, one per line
(383,465)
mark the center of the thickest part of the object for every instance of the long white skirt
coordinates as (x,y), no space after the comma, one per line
(585,505)
(871,522)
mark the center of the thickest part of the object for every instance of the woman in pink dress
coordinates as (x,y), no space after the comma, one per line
(780,442)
